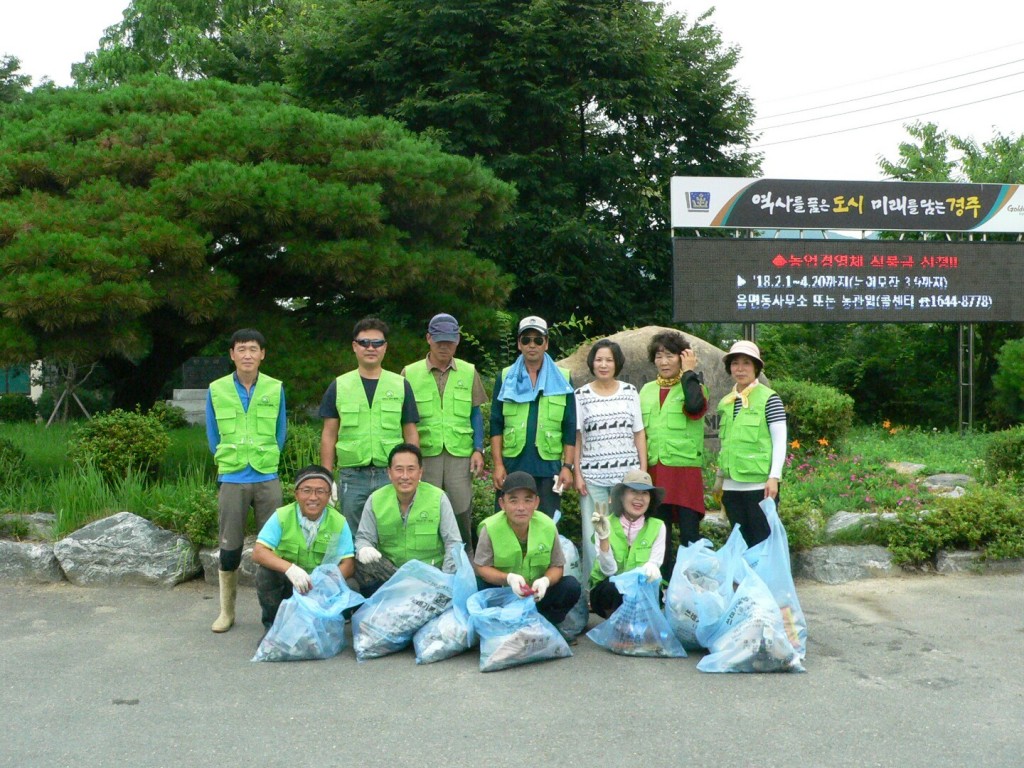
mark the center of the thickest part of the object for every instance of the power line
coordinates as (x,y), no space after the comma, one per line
(886,93)
(884,122)
(889,103)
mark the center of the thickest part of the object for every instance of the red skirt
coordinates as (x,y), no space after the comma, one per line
(684,486)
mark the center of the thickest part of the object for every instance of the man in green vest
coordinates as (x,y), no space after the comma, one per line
(245,428)
(405,520)
(366,413)
(296,539)
(533,418)
(520,549)
(449,394)
(629,539)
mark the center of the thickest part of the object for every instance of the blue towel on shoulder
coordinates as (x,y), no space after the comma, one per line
(518,388)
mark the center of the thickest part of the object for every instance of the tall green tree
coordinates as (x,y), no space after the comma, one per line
(12,83)
(587,106)
(140,222)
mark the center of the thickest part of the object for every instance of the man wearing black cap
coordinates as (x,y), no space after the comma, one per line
(533,417)
(520,548)
(449,394)
(297,538)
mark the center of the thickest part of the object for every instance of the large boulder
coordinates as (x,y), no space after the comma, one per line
(838,564)
(126,549)
(638,370)
(28,561)
(210,558)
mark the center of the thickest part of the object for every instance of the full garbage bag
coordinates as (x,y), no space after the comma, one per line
(770,561)
(637,627)
(701,586)
(311,626)
(750,636)
(512,632)
(451,633)
(387,621)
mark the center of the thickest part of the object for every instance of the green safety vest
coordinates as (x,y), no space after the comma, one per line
(367,433)
(673,438)
(508,552)
(550,409)
(444,422)
(247,438)
(629,557)
(292,546)
(746,454)
(419,536)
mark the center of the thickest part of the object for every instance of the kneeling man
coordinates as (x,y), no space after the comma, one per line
(520,548)
(406,520)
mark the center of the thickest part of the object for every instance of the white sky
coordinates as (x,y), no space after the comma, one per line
(796,55)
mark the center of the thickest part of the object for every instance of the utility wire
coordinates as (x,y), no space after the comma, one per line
(886,93)
(885,122)
(888,103)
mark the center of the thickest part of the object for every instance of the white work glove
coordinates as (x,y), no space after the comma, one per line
(651,571)
(540,588)
(517,582)
(299,578)
(557,486)
(334,494)
(602,525)
(368,555)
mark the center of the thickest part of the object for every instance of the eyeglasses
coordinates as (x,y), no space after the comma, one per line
(537,341)
(318,492)
(375,343)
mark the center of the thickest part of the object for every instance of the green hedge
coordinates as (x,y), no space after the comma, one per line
(815,412)
(119,442)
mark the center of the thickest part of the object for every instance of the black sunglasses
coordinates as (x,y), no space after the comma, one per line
(375,343)
(537,341)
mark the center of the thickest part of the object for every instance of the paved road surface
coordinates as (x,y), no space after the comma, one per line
(910,672)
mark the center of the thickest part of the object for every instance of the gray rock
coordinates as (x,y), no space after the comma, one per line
(951,493)
(638,370)
(210,558)
(27,561)
(946,481)
(905,467)
(838,564)
(126,549)
(964,561)
(40,524)
(842,521)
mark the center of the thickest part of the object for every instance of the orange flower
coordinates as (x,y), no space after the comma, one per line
(886,424)
(893,431)
(822,441)
(795,444)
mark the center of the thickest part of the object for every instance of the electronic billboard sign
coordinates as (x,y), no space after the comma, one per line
(797,281)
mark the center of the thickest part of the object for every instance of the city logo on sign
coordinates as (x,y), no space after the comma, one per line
(698,202)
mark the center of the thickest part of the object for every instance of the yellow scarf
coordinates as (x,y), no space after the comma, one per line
(731,397)
(667,383)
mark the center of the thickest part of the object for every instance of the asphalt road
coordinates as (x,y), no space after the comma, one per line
(908,672)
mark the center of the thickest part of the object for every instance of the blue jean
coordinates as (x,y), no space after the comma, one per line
(355,484)
(596,494)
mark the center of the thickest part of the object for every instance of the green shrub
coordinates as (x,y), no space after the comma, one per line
(119,442)
(803,522)
(1005,454)
(815,412)
(15,407)
(171,416)
(1008,382)
(12,460)
(987,518)
(301,448)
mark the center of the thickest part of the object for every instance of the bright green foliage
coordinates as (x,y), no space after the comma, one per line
(120,442)
(815,412)
(16,407)
(587,106)
(171,416)
(12,459)
(12,84)
(301,448)
(989,519)
(139,223)
(1005,454)
(1009,382)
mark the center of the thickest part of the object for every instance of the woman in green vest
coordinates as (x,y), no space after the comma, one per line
(628,539)
(752,428)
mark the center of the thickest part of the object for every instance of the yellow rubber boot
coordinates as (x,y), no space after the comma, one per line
(228,592)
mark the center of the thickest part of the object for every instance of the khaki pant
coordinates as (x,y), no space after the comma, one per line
(451,474)
(233,502)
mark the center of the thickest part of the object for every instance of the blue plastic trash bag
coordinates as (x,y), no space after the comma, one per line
(701,586)
(512,631)
(637,627)
(385,623)
(311,626)
(576,619)
(750,637)
(770,561)
(450,633)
